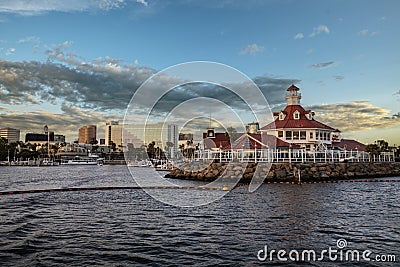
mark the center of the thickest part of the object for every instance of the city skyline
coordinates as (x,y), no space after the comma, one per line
(79,62)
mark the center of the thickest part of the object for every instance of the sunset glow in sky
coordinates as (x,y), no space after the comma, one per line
(78,62)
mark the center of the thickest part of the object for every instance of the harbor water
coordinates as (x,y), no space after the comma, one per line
(130,228)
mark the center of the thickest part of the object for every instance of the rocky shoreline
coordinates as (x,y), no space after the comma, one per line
(286,172)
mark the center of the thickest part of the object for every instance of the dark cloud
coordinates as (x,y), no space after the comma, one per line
(323,65)
(338,77)
(274,89)
(87,92)
(99,87)
(397,95)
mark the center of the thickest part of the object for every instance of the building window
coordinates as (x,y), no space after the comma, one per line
(296,115)
(311,135)
(280,133)
(302,135)
(281,116)
(288,135)
(295,135)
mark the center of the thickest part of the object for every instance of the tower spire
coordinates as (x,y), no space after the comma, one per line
(293,96)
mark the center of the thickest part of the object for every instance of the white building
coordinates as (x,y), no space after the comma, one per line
(297,126)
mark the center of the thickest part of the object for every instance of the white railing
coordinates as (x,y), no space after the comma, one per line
(298,155)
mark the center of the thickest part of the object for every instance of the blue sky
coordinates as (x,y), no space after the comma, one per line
(342,54)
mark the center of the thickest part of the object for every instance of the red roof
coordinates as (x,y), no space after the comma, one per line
(349,144)
(251,141)
(220,140)
(293,88)
(290,122)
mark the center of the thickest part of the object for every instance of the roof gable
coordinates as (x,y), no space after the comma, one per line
(289,121)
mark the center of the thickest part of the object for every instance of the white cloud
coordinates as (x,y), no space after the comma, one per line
(37,7)
(320,29)
(251,49)
(373,34)
(28,39)
(363,32)
(309,51)
(10,51)
(143,2)
(366,32)
(299,36)
(323,65)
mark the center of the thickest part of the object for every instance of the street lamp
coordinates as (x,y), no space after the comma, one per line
(46,130)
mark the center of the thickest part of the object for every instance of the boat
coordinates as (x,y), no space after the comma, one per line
(82,160)
(142,163)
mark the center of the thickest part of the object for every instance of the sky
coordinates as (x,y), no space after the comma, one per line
(69,63)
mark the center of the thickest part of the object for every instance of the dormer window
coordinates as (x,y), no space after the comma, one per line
(296,115)
(281,116)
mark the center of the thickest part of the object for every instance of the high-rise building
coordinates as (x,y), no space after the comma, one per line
(12,135)
(164,136)
(87,134)
(113,133)
(173,137)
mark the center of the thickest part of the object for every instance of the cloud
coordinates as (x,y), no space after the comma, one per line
(309,51)
(397,95)
(38,7)
(10,51)
(323,65)
(366,32)
(363,32)
(251,49)
(143,2)
(87,92)
(28,39)
(274,89)
(338,77)
(99,85)
(355,116)
(320,29)
(299,36)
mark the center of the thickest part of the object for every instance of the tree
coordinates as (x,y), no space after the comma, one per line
(383,145)
(151,150)
(377,147)
(373,149)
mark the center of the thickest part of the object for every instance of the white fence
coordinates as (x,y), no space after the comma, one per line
(298,155)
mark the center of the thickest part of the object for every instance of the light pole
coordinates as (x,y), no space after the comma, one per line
(46,130)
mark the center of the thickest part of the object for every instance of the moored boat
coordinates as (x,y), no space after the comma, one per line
(82,160)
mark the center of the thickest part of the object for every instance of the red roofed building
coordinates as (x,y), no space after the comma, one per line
(297,126)
(216,140)
(257,141)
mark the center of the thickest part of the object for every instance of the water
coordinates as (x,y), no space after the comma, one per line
(128,227)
